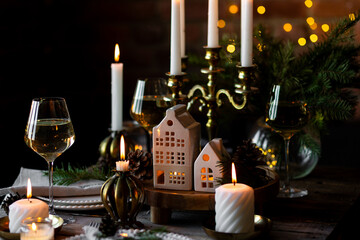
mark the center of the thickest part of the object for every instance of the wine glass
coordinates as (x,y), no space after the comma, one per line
(49,132)
(150,101)
(287,114)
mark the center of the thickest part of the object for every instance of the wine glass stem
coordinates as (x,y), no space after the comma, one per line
(51,188)
(286,180)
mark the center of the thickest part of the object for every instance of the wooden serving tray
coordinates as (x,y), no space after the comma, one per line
(162,201)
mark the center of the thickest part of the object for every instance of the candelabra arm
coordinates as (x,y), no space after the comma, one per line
(231,99)
(194,89)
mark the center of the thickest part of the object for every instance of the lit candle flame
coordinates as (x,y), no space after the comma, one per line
(124,234)
(233,173)
(29,191)
(122,148)
(33,226)
(117,53)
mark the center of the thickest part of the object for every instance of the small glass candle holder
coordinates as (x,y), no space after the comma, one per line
(36,228)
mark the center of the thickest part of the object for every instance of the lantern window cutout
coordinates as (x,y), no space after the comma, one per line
(206,169)
(176,145)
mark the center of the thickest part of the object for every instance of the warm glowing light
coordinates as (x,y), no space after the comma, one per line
(302,41)
(230,48)
(117,53)
(310,20)
(325,27)
(233,8)
(259,46)
(313,38)
(261,9)
(138,147)
(29,190)
(122,148)
(352,16)
(33,226)
(308,3)
(124,234)
(313,26)
(233,173)
(221,23)
(287,27)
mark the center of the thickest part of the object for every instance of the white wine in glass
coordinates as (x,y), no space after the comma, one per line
(49,132)
(286,115)
(150,102)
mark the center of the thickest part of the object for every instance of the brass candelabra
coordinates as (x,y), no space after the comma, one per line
(210,98)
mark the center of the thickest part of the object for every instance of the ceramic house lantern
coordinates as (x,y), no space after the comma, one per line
(176,144)
(206,170)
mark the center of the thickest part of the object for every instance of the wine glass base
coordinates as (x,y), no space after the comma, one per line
(291,192)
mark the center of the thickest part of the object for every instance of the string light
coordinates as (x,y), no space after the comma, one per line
(310,20)
(313,38)
(233,8)
(352,16)
(261,10)
(308,3)
(230,48)
(302,41)
(313,26)
(287,27)
(325,27)
(221,23)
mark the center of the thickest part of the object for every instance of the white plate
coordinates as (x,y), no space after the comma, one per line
(167,236)
(77,200)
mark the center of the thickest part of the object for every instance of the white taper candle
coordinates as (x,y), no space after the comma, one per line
(246,32)
(213,31)
(175,44)
(116,92)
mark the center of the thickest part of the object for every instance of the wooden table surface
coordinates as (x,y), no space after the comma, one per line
(330,211)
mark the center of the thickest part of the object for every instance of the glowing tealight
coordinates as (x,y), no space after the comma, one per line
(287,27)
(261,9)
(325,27)
(302,41)
(233,8)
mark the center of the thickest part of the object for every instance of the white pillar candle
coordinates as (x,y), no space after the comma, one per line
(213,31)
(182,27)
(246,32)
(116,92)
(25,208)
(175,44)
(234,207)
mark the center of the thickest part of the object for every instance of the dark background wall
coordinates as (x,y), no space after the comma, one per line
(65,48)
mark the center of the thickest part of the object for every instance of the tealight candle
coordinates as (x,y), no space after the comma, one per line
(122,165)
(37,229)
(234,207)
(116,92)
(24,208)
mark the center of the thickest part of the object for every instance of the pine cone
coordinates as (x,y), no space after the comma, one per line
(246,158)
(7,200)
(140,164)
(108,227)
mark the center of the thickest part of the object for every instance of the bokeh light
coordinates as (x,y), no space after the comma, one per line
(261,10)
(302,41)
(325,27)
(233,8)
(313,38)
(308,3)
(352,16)
(221,23)
(230,48)
(310,20)
(313,26)
(287,27)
